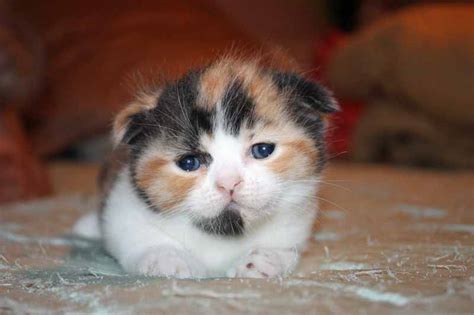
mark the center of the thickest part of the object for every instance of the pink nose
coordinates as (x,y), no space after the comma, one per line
(228,183)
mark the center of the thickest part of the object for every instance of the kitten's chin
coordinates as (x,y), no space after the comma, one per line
(231,221)
(228,223)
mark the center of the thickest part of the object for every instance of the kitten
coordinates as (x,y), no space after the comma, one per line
(217,174)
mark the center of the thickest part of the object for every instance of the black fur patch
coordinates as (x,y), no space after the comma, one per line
(228,223)
(175,120)
(238,108)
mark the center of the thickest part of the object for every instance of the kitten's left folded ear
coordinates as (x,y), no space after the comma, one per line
(127,124)
(309,94)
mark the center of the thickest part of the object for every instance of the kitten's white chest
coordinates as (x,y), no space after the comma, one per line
(216,253)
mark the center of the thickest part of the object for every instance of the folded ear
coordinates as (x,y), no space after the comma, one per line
(308,94)
(129,122)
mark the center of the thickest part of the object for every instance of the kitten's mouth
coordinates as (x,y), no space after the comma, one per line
(227,223)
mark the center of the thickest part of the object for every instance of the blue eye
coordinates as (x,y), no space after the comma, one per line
(189,163)
(262,150)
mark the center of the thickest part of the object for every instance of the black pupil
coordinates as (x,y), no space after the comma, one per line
(263,150)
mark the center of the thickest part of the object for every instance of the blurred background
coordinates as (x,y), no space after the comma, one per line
(402,70)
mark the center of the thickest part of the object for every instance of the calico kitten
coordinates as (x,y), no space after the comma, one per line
(218,174)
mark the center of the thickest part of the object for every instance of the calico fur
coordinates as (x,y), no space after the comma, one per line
(235,215)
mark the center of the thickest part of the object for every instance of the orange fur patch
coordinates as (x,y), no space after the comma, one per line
(178,187)
(284,163)
(213,85)
(147,173)
(306,148)
(259,86)
(165,188)
(267,99)
(298,156)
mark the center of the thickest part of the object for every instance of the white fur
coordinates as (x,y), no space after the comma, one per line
(278,216)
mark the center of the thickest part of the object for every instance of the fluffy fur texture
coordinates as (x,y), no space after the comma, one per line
(235,215)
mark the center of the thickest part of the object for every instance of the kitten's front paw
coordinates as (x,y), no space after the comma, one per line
(169,262)
(264,263)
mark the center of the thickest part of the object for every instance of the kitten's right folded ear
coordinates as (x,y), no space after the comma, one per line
(309,94)
(129,122)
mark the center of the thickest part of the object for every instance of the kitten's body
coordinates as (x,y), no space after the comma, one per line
(256,136)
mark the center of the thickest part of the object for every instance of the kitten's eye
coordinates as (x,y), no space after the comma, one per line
(262,150)
(189,163)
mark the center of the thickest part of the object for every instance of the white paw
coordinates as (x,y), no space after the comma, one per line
(264,263)
(169,262)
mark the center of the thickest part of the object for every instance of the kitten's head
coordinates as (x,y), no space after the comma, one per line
(228,145)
